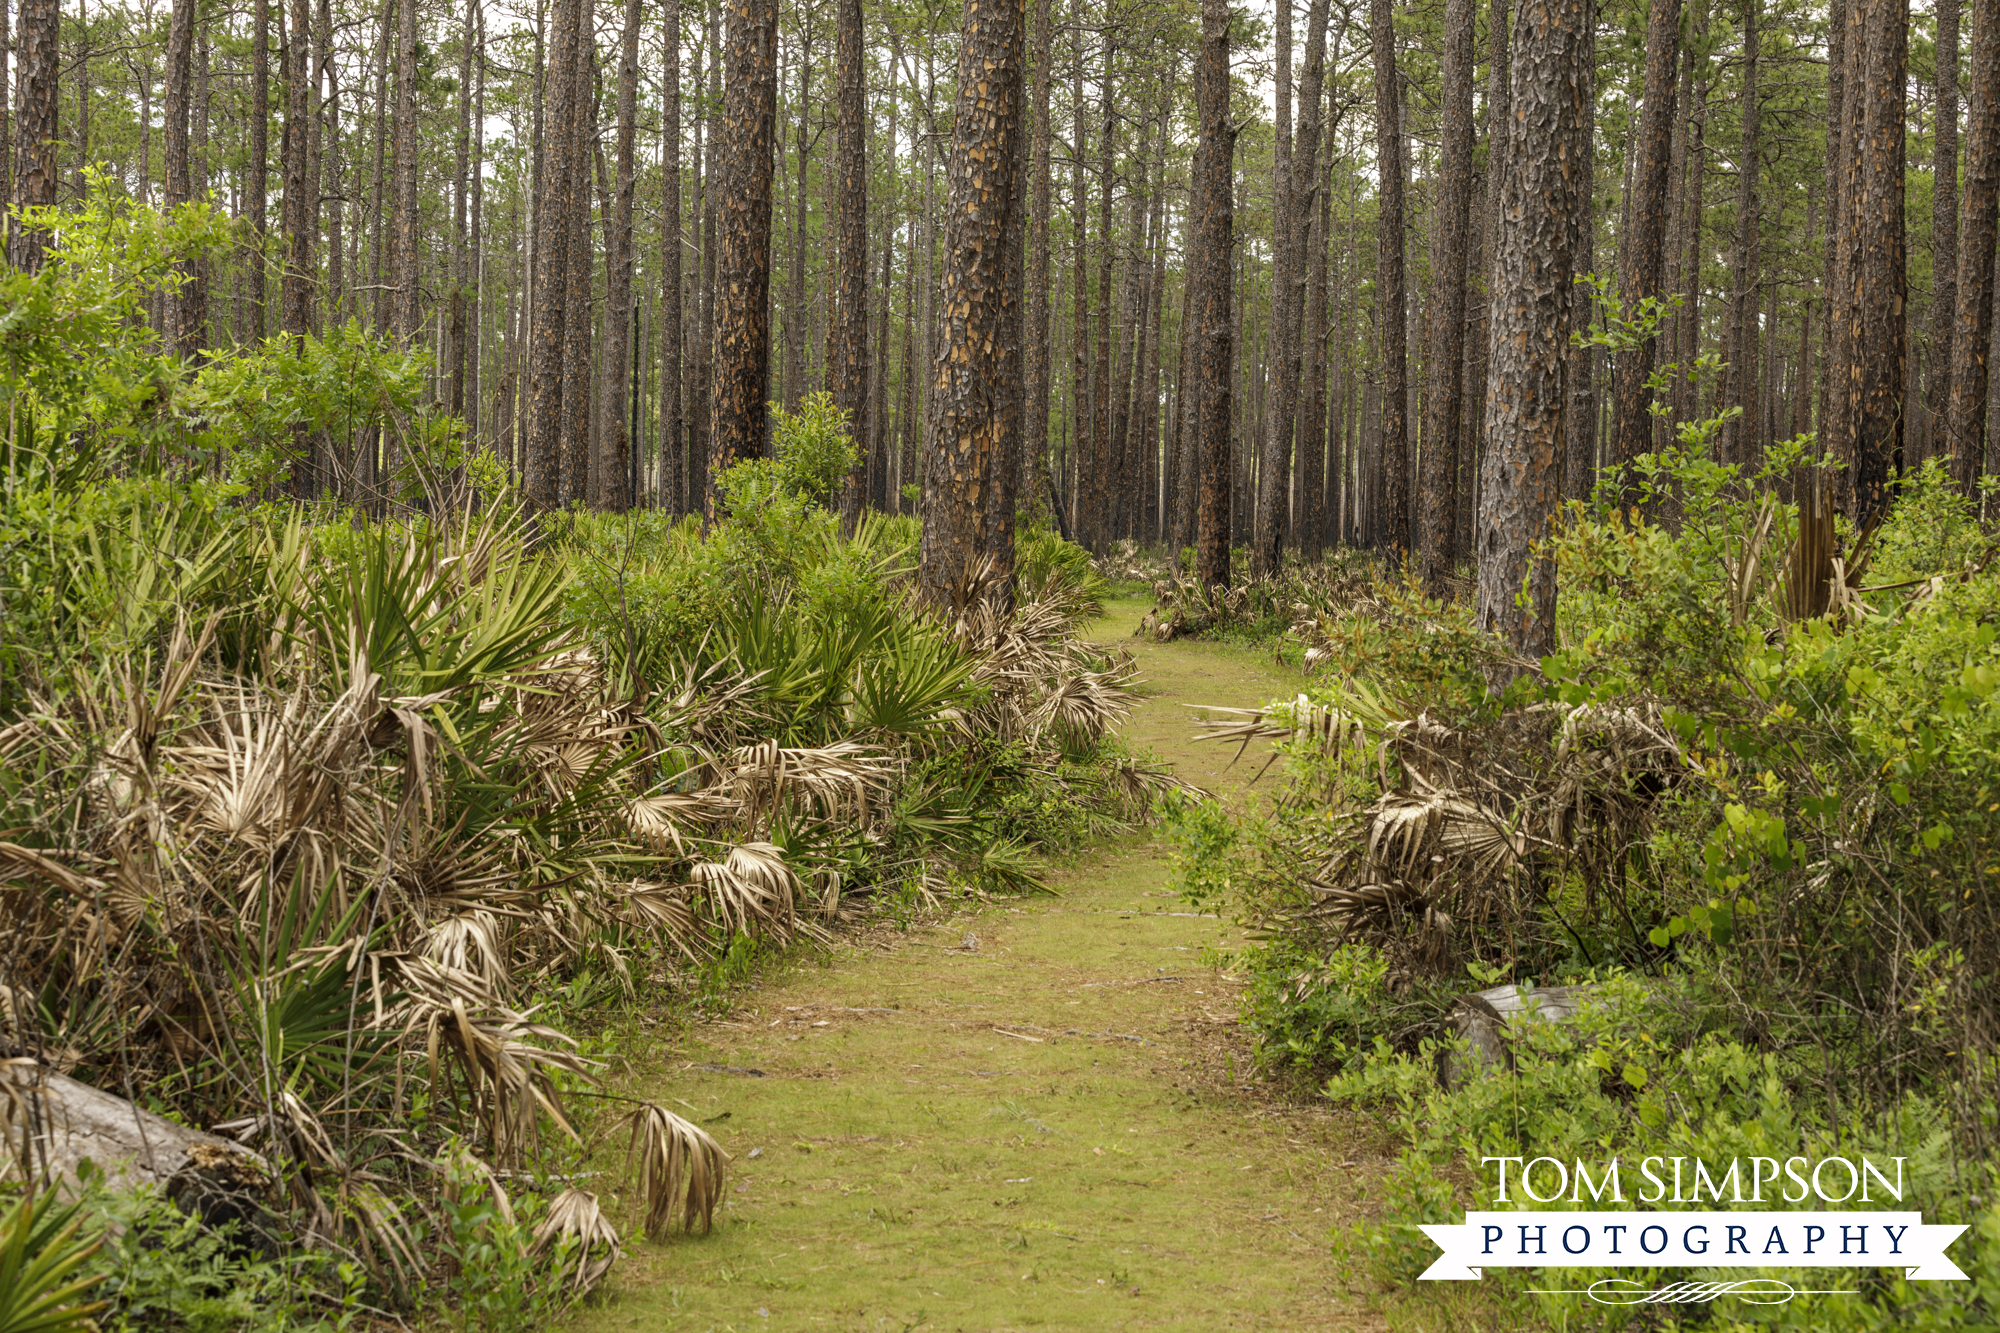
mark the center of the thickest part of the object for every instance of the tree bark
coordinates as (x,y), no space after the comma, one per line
(796,318)
(1743,436)
(579,378)
(614,468)
(739,425)
(1632,423)
(180,184)
(974,411)
(1038,354)
(1209,266)
(673,436)
(1876,364)
(1580,442)
(1100,405)
(1079,212)
(1526,397)
(1444,400)
(257,175)
(1944,221)
(461,199)
(1972,331)
(36,63)
(847,341)
(1316,475)
(1275,455)
(409,295)
(1391,302)
(542,470)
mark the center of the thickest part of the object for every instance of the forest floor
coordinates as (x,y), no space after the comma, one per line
(1038,1113)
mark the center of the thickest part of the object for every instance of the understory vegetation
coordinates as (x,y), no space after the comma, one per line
(1763,836)
(360,838)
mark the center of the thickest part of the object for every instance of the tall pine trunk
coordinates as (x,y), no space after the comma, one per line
(1642,245)
(181,332)
(36,61)
(974,409)
(671,495)
(614,469)
(1743,436)
(1944,223)
(1209,258)
(1038,354)
(542,469)
(1972,330)
(1391,301)
(847,332)
(1444,399)
(739,426)
(1526,395)
(1876,345)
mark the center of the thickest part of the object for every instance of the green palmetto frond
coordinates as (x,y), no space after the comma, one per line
(41,1252)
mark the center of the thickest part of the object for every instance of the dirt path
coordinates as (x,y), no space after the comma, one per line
(1029,1117)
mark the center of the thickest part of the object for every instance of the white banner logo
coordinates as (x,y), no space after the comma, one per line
(1692,1240)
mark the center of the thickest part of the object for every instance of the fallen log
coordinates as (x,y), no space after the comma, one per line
(53,1124)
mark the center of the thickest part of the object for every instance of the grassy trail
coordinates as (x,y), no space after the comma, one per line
(1030,1116)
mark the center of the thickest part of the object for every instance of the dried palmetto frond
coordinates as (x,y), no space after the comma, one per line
(680,1167)
(750,887)
(1086,704)
(575,1215)
(663,908)
(470,942)
(658,821)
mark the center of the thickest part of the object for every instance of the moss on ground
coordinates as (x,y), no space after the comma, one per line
(1029,1116)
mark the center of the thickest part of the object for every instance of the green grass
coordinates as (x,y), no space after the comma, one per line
(1101,1168)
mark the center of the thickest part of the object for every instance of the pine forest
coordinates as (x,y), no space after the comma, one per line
(601,600)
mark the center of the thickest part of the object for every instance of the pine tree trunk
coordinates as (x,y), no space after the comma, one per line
(702,399)
(671,495)
(409,293)
(1499,126)
(542,470)
(578,374)
(1101,463)
(1213,203)
(1944,221)
(739,428)
(974,410)
(36,63)
(460,204)
(1444,401)
(880,496)
(1039,354)
(180,185)
(1580,432)
(1391,302)
(7,116)
(795,302)
(1742,436)
(1876,365)
(1642,246)
(1526,396)
(847,342)
(614,468)
(1316,474)
(1972,331)
(1079,212)
(1275,453)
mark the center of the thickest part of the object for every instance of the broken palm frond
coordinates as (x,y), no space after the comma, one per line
(680,1167)
(575,1217)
